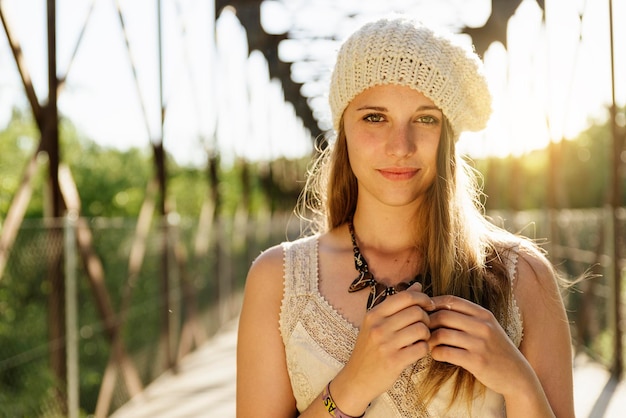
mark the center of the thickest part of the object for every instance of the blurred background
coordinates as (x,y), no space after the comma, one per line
(176,140)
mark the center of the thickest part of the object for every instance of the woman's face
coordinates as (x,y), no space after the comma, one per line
(392,135)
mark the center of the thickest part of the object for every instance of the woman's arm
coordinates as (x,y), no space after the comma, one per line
(547,340)
(263,386)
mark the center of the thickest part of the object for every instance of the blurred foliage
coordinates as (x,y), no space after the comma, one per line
(582,168)
(112,183)
(18,141)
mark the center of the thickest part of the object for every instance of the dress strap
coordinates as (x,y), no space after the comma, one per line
(300,277)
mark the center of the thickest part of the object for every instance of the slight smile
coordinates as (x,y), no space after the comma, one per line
(398,173)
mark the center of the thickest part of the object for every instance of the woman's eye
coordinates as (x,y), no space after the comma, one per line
(374,118)
(428,120)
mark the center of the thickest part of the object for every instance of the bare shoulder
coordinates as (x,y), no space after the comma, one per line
(537,280)
(538,295)
(267,268)
(263,292)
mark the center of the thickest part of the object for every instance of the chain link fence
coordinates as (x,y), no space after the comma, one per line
(210,284)
(579,243)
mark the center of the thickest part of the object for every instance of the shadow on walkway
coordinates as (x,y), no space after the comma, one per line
(596,393)
(602,403)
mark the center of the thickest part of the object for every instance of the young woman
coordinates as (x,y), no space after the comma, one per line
(405,301)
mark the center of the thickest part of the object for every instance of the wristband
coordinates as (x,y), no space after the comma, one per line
(332,407)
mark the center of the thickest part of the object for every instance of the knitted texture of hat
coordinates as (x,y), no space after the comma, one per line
(403,52)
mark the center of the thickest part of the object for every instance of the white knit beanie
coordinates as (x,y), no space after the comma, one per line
(403,52)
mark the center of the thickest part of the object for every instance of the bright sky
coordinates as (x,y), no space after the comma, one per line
(553,79)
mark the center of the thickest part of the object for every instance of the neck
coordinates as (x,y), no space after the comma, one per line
(387,232)
(389,246)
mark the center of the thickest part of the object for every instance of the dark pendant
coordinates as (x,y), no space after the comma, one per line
(365,279)
(378,291)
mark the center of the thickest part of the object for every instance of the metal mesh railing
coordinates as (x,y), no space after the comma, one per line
(210,284)
(579,244)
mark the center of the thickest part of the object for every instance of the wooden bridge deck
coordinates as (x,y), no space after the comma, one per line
(205,387)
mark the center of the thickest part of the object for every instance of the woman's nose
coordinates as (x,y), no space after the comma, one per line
(401,142)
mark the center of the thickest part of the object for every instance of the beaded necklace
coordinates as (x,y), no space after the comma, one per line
(378,291)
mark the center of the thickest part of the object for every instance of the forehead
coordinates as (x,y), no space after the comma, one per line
(391,96)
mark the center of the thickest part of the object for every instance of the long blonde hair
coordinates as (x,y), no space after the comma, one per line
(460,246)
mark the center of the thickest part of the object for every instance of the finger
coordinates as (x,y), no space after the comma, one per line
(447,319)
(474,322)
(426,301)
(417,286)
(402,300)
(450,338)
(452,303)
(409,316)
(453,355)
(458,304)
(413,352)
(413,334)
(405,318)
(451,346)
(470,332)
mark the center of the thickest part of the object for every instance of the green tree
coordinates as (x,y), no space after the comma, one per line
(18,142)
(583,173)
(587,167)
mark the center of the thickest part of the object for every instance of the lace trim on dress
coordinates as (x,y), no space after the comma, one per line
(305,305)
(515,325)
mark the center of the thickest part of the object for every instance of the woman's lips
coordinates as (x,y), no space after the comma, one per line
(398,173)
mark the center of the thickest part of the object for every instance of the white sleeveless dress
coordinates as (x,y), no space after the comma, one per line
(319,340)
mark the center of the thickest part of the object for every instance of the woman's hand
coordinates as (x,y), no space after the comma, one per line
(468,335)
(536,378)
(392,336)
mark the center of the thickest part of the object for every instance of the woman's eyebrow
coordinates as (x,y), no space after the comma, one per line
(376,108)
(384,109)
(428,107)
